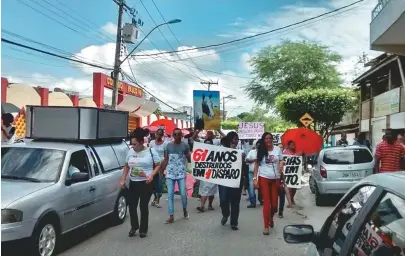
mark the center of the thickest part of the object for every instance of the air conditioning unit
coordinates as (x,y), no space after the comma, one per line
(129,33)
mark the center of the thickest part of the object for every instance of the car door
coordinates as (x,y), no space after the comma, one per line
(79,197)
(383,231)
(109,179)
(339,224)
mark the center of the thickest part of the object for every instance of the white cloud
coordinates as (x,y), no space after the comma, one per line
(346,32)
(173,81)
(110,28)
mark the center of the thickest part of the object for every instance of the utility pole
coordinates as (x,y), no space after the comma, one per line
(209,83)
(117,62)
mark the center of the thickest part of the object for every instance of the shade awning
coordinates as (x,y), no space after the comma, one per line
(130,103)
(147,108)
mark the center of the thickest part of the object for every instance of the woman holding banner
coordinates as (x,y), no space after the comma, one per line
(290,151)
(207,190)
(267,173)
(230,197)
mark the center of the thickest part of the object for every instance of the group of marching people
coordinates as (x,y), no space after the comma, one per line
(146,165)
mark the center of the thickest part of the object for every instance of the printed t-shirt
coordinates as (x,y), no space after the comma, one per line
(141,161)
(390,156)
(177,161)
(252,155)
(160,149)
(269,165)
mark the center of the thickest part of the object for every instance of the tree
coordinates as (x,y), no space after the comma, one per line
(290,67)
(271,124)
(326,106)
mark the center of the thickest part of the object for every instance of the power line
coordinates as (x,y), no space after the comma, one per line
(53,54)
(167,41)
(57,21)
(81,24)
(259,34)
(284,32)
(178,41)
(48,46)
(143,88)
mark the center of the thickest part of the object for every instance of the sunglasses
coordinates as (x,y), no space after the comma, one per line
(177,134)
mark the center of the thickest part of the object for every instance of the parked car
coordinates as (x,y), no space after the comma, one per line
(51,188)
(337,169)
(369,220)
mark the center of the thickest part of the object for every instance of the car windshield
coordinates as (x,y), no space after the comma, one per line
(31,164)
(347,156)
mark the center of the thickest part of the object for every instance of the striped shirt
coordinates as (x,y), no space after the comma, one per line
(390,156)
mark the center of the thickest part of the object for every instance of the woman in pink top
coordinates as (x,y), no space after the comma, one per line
(291,151)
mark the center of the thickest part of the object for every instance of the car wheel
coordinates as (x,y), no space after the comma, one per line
(311,184)
(45,237)
(120,209)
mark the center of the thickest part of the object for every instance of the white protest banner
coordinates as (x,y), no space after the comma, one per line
(276,138)
(250,130)
(215,164)
(292,171)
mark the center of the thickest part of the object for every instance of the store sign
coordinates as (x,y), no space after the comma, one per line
(386,103)
(123,87)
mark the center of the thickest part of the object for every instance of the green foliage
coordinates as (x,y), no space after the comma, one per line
(326,106)
(229,125)
(290,67)
(272,124)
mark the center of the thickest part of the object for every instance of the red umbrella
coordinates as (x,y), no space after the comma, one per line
(166,124)
(306,141)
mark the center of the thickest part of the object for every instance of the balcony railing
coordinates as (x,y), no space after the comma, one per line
(380,6)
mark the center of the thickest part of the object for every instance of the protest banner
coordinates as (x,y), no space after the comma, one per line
(276,137)
(292,171)
(207,113)
(250,130)
(218,165)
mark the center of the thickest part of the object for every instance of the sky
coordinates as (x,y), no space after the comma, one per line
(87,29)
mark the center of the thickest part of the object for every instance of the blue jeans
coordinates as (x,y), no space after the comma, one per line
(170,191)
(252,194)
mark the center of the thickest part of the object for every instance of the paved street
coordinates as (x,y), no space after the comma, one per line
(202,234)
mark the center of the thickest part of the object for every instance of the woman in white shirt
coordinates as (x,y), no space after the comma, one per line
(159,145)
(142,164)
(267,173)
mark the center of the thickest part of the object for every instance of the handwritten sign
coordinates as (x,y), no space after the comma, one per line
(250,130)
(276,138)
(218,165)
(292,171)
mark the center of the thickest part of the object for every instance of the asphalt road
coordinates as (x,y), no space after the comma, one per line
(200,235)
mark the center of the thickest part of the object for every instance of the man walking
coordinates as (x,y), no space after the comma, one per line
(389,154)
(177,154)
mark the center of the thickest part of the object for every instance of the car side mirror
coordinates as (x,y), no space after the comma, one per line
(297,234)
(77,177)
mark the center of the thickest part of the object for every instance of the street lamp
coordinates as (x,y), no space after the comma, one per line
(232,110)
(118,62)
(229,97)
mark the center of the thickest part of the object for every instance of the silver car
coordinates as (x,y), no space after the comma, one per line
(338,169)
(51,188)
(368,220)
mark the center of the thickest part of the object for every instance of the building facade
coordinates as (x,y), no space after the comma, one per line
(382,97)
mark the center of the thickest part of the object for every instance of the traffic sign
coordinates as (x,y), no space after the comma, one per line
(306,120)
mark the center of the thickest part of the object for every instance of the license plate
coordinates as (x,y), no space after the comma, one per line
(350,175)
